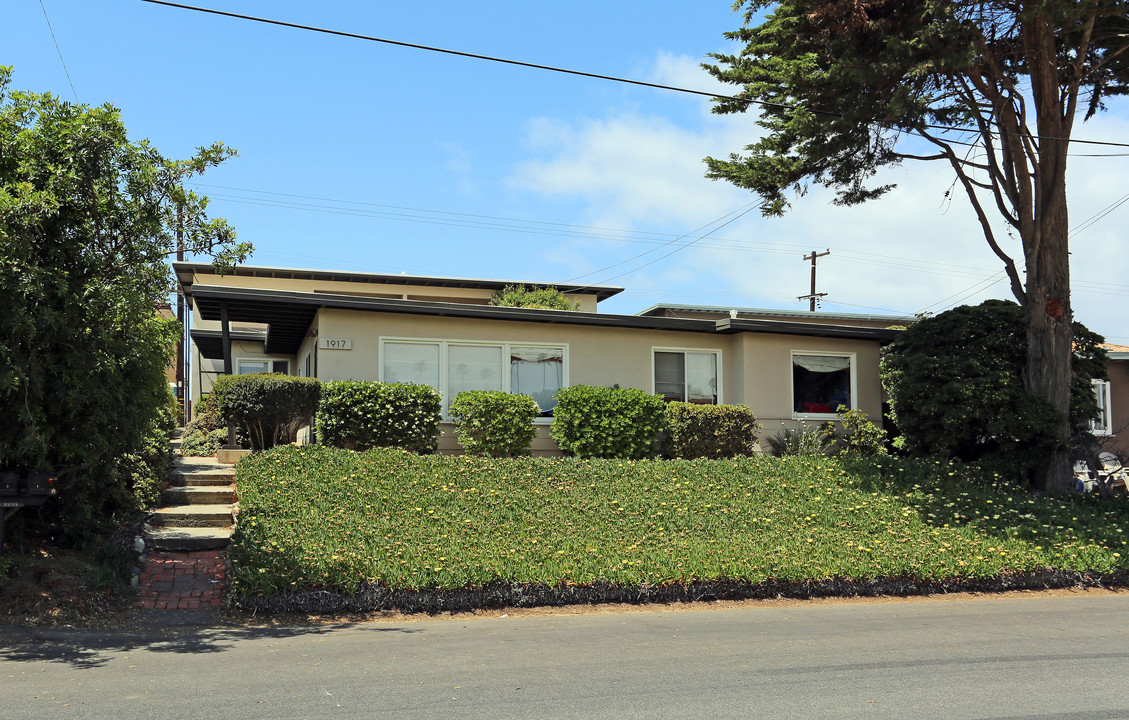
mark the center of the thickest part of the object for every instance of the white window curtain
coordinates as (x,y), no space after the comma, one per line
(821,363)
(538,372)
(701,378)
(1103,423)
(248,367)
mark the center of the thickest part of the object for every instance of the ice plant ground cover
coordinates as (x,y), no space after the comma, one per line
(318,517)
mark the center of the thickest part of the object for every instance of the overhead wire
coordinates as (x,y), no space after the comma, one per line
(58,50)
(581,73)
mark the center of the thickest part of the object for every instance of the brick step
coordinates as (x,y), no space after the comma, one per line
(192,516)
(197,495)
(188,539)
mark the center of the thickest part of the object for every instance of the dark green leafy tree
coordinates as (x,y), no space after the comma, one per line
(546,298)
(87,220)
(956,389)
(846,87)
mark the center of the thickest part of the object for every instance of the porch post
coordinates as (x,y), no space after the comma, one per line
(225,332)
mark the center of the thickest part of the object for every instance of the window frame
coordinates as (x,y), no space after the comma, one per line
(269,359)
(1104,426)
(716,352)
(444,343)
(853,356)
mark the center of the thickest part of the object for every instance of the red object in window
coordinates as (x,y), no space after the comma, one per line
(816,407)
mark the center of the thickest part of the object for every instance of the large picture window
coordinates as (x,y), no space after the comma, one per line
(687,376)
(454,367)
(821,382)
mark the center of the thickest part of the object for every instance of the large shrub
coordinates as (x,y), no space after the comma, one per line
(709,431)
(607,422)
(87,221)
(358,415)
(956,388)
(546,298)
(268,407)
(495,423)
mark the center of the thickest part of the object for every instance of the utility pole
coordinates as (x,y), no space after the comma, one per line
(813,296)
(181,354)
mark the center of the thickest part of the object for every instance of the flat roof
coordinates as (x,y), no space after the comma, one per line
(660,307)
(289,315)
(186,271)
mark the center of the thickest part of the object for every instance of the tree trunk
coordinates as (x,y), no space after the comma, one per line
(1050,334)
(1046,253)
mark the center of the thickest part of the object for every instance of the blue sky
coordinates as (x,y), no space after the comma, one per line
(367,157)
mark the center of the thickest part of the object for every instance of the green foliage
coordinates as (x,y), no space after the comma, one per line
(846,88)
(803,440)
(840,81)
(709,431)
(322,518)
(494,423)
(358,415)
(607,422)
(857,435)
(146,469)
(956,388)
(269,407)
(206,432)
(546,298)
(86,223)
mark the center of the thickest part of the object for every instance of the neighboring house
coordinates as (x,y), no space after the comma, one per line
(1112,428)
(441,331)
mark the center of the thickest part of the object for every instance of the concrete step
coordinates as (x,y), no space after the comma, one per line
(199,495)
(192,516)
(188,539)
(200,479)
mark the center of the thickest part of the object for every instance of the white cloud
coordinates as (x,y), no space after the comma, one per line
(905,252)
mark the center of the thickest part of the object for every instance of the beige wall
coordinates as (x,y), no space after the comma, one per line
(404,292)
(1119,403)
(756,369)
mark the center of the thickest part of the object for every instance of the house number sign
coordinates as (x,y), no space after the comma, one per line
(327,343)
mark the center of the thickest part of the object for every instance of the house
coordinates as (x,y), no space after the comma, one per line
(1112,428)
(441,331)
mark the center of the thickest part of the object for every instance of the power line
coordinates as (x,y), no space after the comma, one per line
(54,40)
(580,73)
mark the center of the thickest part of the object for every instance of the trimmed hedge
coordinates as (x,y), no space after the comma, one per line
(607,422)
(709,431)
(494,423)
(361,414)
(268,407)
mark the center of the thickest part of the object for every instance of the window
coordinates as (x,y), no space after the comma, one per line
(261,365)
(687,376)
(1103,423)
(821,382)
(454,367)
(538,372)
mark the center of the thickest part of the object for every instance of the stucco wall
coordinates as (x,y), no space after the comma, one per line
(756,369)
(1119,402)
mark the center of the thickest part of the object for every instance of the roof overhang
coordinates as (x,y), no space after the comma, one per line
(188,273)
(780,327)
(289,314)
(210,342)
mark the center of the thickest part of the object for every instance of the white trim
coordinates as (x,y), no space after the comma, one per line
(792,383)
(270,359)
(716,352)
(1104,425)
(443,344)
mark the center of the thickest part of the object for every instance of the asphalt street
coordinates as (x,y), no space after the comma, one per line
(989,657)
